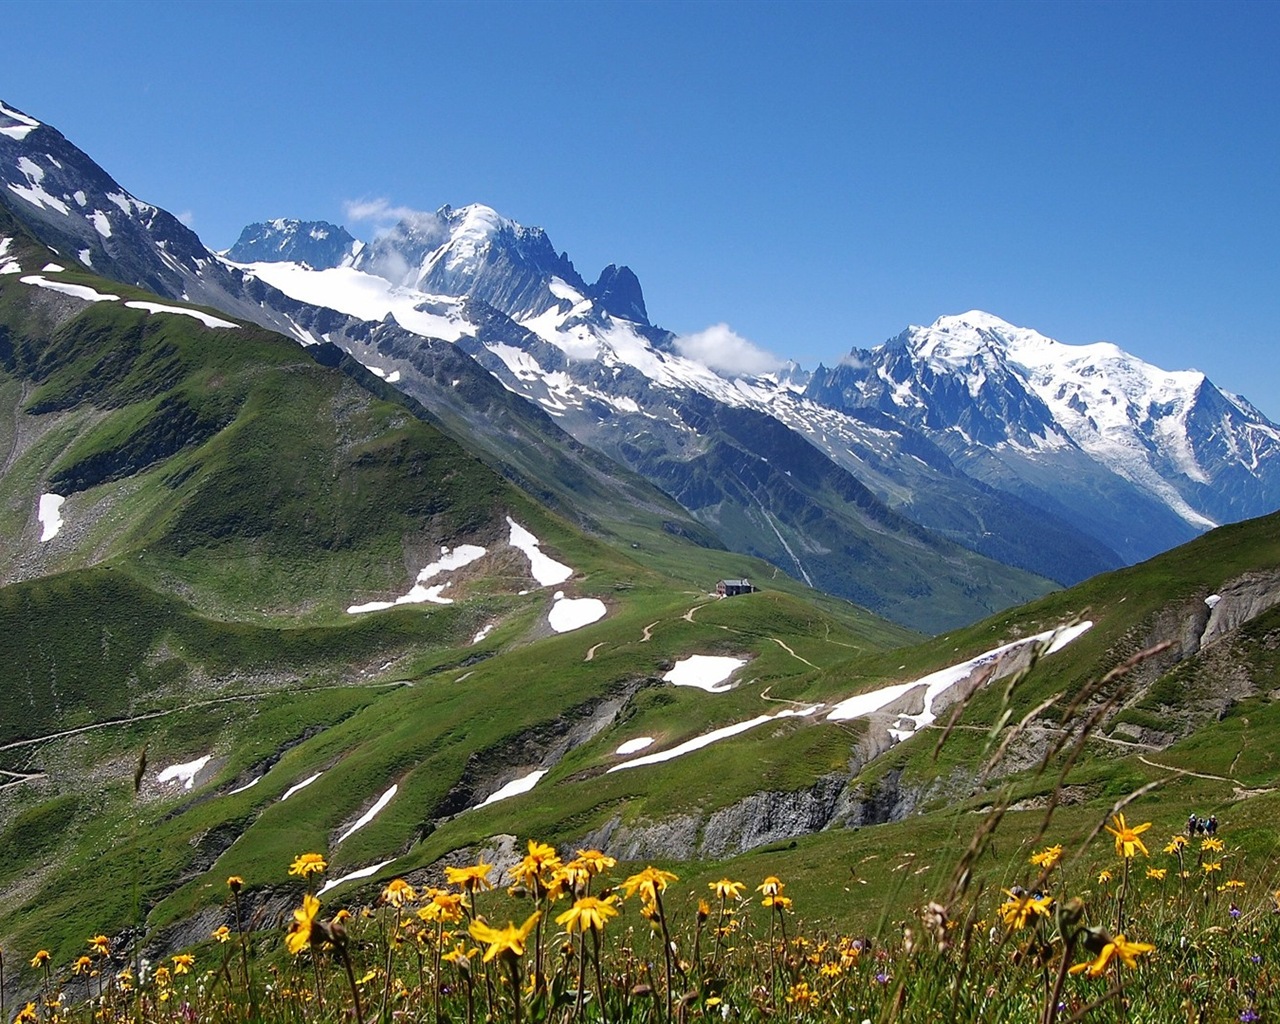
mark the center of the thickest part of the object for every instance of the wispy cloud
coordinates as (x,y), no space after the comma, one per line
(725,351)
(187,217)
(852,360)
(379,211)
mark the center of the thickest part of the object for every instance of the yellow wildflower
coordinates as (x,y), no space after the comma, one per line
(771,886)
(222,933)
(1212,844)
(235,883)
(81,965)
(727,890)
(460,956)
(443,906)
(471,878)
(1231,883)
(1127,840)
(40,959)
(1018,909)
(595,861)
(1104,876)
(1211,866)
(182,963)
(802,996)
(588,912)
(1048,857)
(27,1015)
(100,945)
(398,892)
(1175,844)
(1118,948)
(303,919)
(648,883)
(508,941)
(540,862)
(1157,873)
(305,865)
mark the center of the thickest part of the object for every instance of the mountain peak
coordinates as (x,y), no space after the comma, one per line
(316,243)
(975,318)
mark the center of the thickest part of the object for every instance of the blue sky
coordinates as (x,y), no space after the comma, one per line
(817,176)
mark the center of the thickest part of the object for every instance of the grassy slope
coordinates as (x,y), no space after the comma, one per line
(227,497)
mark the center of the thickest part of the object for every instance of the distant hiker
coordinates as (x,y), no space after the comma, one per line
(1191,825)
(1211,826)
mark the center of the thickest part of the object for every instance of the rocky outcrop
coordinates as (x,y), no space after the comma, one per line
(1240,601)
(765,818)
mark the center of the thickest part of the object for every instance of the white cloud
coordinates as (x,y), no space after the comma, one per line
(377,210)
(719,348)
(852,360)
(188,218)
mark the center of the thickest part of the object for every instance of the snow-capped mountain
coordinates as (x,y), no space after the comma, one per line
(316,243)
(1175,454)
(1058,461)
(590,358)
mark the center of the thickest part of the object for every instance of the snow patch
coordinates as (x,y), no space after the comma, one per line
(366,297)
(52,268)
(704,671)
(1212,600)
(482,634)
(461,556)
(86,257)
(372,869)
(514,787)
(101,223)
(371,813)
(49,514)
(247,785)
(76,291)
(635,745)
(938,683)
(715,736)
(569,613)
(546,570)
(184,773)
(205,318)
(301,785)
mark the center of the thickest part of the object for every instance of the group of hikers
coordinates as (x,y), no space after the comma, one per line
(1202,826)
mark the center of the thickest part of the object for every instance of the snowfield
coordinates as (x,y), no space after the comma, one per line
(705,671)
(50,517)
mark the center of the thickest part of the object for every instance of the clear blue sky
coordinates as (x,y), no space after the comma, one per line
(818,176)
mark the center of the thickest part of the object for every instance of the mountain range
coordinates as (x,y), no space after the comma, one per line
(1057,461)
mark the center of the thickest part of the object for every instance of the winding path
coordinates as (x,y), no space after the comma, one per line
(1240,788)
(791,652)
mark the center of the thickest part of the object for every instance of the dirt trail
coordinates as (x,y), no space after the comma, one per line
(591,652)
(1241,790)
(791,652)
(648,631)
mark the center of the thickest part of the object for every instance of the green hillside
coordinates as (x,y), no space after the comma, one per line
(229,495)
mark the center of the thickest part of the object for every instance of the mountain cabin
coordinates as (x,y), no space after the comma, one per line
(732,588)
